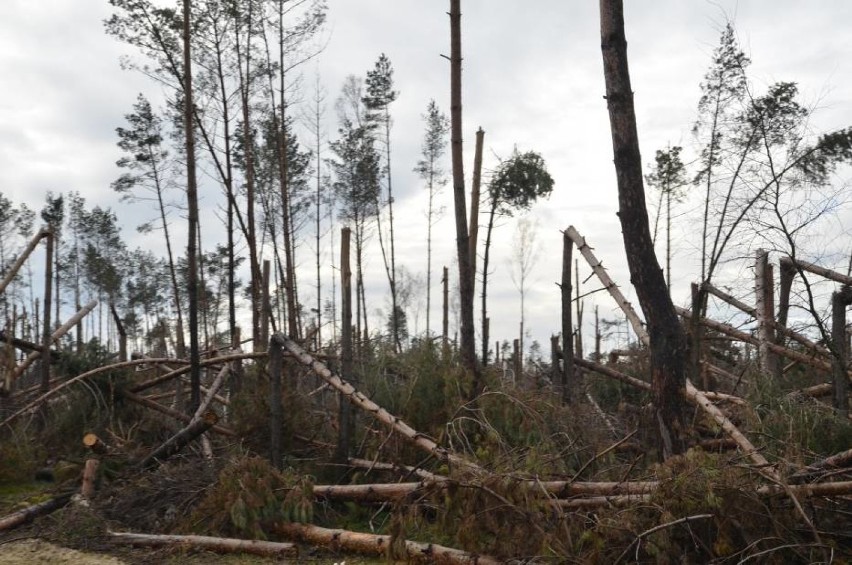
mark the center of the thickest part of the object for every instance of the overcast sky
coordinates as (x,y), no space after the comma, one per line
(532,78)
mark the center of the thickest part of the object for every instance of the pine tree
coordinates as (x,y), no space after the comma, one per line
(429,168)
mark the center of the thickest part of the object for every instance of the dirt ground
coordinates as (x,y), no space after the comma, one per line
(36,551)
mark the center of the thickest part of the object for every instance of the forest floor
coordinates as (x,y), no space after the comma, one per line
(72,536)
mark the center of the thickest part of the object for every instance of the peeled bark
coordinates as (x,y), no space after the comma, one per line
(667,338)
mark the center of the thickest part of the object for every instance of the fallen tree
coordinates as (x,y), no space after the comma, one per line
(380,545)
(207,543)
(28,514)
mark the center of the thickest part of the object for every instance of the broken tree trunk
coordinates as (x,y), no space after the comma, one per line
(57,334)
(13,270)
(90,471)
(122,334)
(379,545)
(764,313)
(840,300)
(445,323)
(276,409)
(358,399)
(346,425)
(207,543)
(746,338)
(612,288)
(174,444)
(400,469)
(46,339)
(817,270)
(779,326)
(467,346)
(387,492)
(15,519)
(473,232)
(567,377)
(838,461)
(18,343)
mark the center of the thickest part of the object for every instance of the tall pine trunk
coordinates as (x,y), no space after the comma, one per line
(667,338)
(192,213)
(468,353)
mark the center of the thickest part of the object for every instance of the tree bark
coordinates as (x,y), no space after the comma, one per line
(567,376)
(48,296)
(345,432)
(467,348)
(667,338)
(27,514)
(90,471)
(276,410)
(764,312)
(207,543)
(192,216)
(840,360)
(380,545)
(474,208)
(445,321)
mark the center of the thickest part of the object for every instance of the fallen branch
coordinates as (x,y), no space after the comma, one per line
(838,461)
(618,501)
(684,520)
(379,545)
(204,363)
(401,469)
(207,543)
(25,515)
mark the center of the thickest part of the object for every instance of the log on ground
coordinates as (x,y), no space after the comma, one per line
(373,544)
(207,543)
